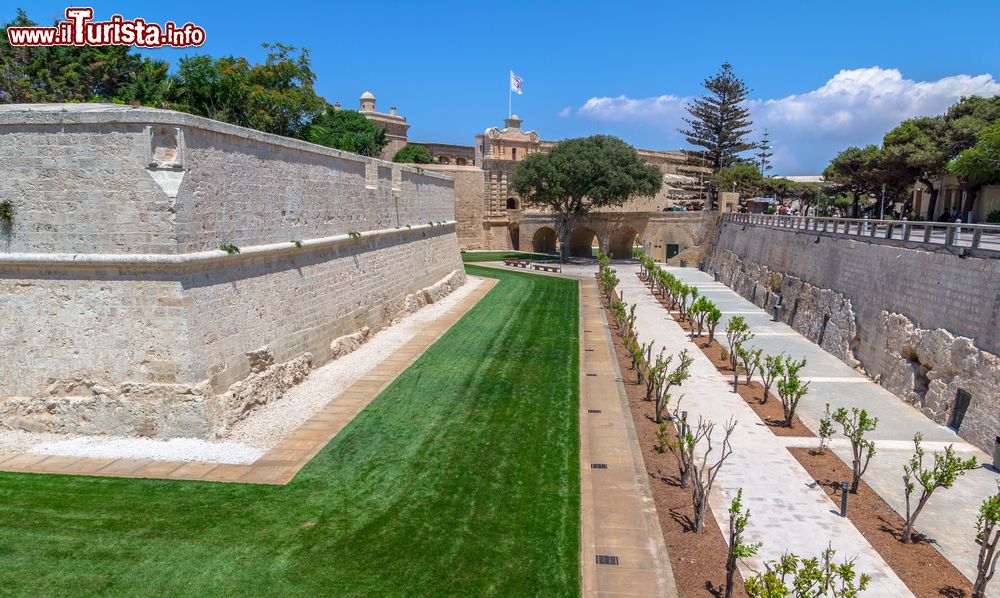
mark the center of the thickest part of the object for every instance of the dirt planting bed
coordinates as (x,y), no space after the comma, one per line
(919,565)
(698,560)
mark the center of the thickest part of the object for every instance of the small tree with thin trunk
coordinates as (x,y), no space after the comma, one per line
(580,175)
(855,425)
(738,549)
(700,310)
(737,333)
(750,358)
(988,536)
(683,449)
(772,368)
(946,470)
(712,320)
(791,389)
(676,377)
(825,430)
(704,470)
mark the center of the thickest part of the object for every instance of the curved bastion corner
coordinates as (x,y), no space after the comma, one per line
(120,313)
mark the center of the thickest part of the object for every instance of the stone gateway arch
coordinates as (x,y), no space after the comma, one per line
(667,237)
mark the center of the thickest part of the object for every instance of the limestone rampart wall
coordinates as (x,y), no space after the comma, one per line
(121,314)
(924,324)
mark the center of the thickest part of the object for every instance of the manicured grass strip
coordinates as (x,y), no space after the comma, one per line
(460,479)
(499,256)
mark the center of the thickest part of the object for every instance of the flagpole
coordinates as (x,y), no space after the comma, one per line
(510,95)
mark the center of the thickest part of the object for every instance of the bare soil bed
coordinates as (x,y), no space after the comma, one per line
(698,560)
(770,413)
(920,566)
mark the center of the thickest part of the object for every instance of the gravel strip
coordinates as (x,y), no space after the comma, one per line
(265,427)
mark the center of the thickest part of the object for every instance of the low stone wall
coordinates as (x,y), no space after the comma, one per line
(922,324)
(121,313)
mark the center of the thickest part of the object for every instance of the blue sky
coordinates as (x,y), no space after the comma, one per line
(824,75)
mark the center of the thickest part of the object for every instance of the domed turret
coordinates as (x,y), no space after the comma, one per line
(367,102)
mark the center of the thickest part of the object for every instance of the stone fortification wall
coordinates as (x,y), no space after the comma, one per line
(923,324)
(121,314)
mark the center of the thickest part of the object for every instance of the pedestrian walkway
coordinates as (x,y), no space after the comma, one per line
(950,516)
(789,513)
(622,547)
(280,464)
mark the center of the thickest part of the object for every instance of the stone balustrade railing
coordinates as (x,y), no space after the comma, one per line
(980,237)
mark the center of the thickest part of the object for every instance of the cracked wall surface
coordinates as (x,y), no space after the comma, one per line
(923,324)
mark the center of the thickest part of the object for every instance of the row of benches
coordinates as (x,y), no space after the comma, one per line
(519,263)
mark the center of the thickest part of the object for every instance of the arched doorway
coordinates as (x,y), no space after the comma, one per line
(581,242)
(669,242)
(515,236)
(621,243)
(544,240)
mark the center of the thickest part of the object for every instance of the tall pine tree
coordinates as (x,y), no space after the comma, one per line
(764,153)
(720,122)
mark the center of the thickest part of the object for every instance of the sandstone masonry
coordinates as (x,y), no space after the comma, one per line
(121,314)
(921,323)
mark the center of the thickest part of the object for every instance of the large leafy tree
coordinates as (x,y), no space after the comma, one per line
(916,148)
(966,121)
(720,121)
(980,164)
(76,73)
(743,178)
(581,174)
(275,97)
(347,130)
(855,171)
(413,154)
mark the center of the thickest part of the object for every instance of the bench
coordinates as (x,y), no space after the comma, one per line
(547,267)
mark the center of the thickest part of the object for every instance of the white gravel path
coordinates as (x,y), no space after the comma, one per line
(249,439)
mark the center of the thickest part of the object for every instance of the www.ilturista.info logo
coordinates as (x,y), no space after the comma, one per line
(79,29)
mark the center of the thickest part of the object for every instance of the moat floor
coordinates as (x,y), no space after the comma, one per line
(950,515)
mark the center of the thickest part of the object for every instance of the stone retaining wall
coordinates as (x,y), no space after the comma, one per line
(120,313)
(923,324)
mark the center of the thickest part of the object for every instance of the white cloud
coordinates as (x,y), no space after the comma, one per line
(855,107)
(566,112)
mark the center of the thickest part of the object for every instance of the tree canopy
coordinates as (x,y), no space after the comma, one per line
(347,130)
(581,174)
(720,121)
(413,154)
(981,162)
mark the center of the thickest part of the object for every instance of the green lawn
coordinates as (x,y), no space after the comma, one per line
(461,479)
(499,256)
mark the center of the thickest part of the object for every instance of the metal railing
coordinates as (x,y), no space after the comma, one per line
(983,237)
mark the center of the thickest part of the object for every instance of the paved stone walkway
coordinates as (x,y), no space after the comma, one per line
(788,511)
(950,515)
(280,464)
(618,514)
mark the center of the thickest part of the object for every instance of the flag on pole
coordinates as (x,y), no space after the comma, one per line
(515,83)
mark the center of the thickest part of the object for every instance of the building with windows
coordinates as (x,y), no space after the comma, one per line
(488,211)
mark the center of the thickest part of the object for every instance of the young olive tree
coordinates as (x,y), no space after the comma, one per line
(750,358)
(791,389)
(855,425)
(738,548)
(946,470)
(703,471)
(700,310)
(683,448)
(737,333)
(676,377)
(825,430)
(712,318)
(807,578)
(988,536)
(772,368)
